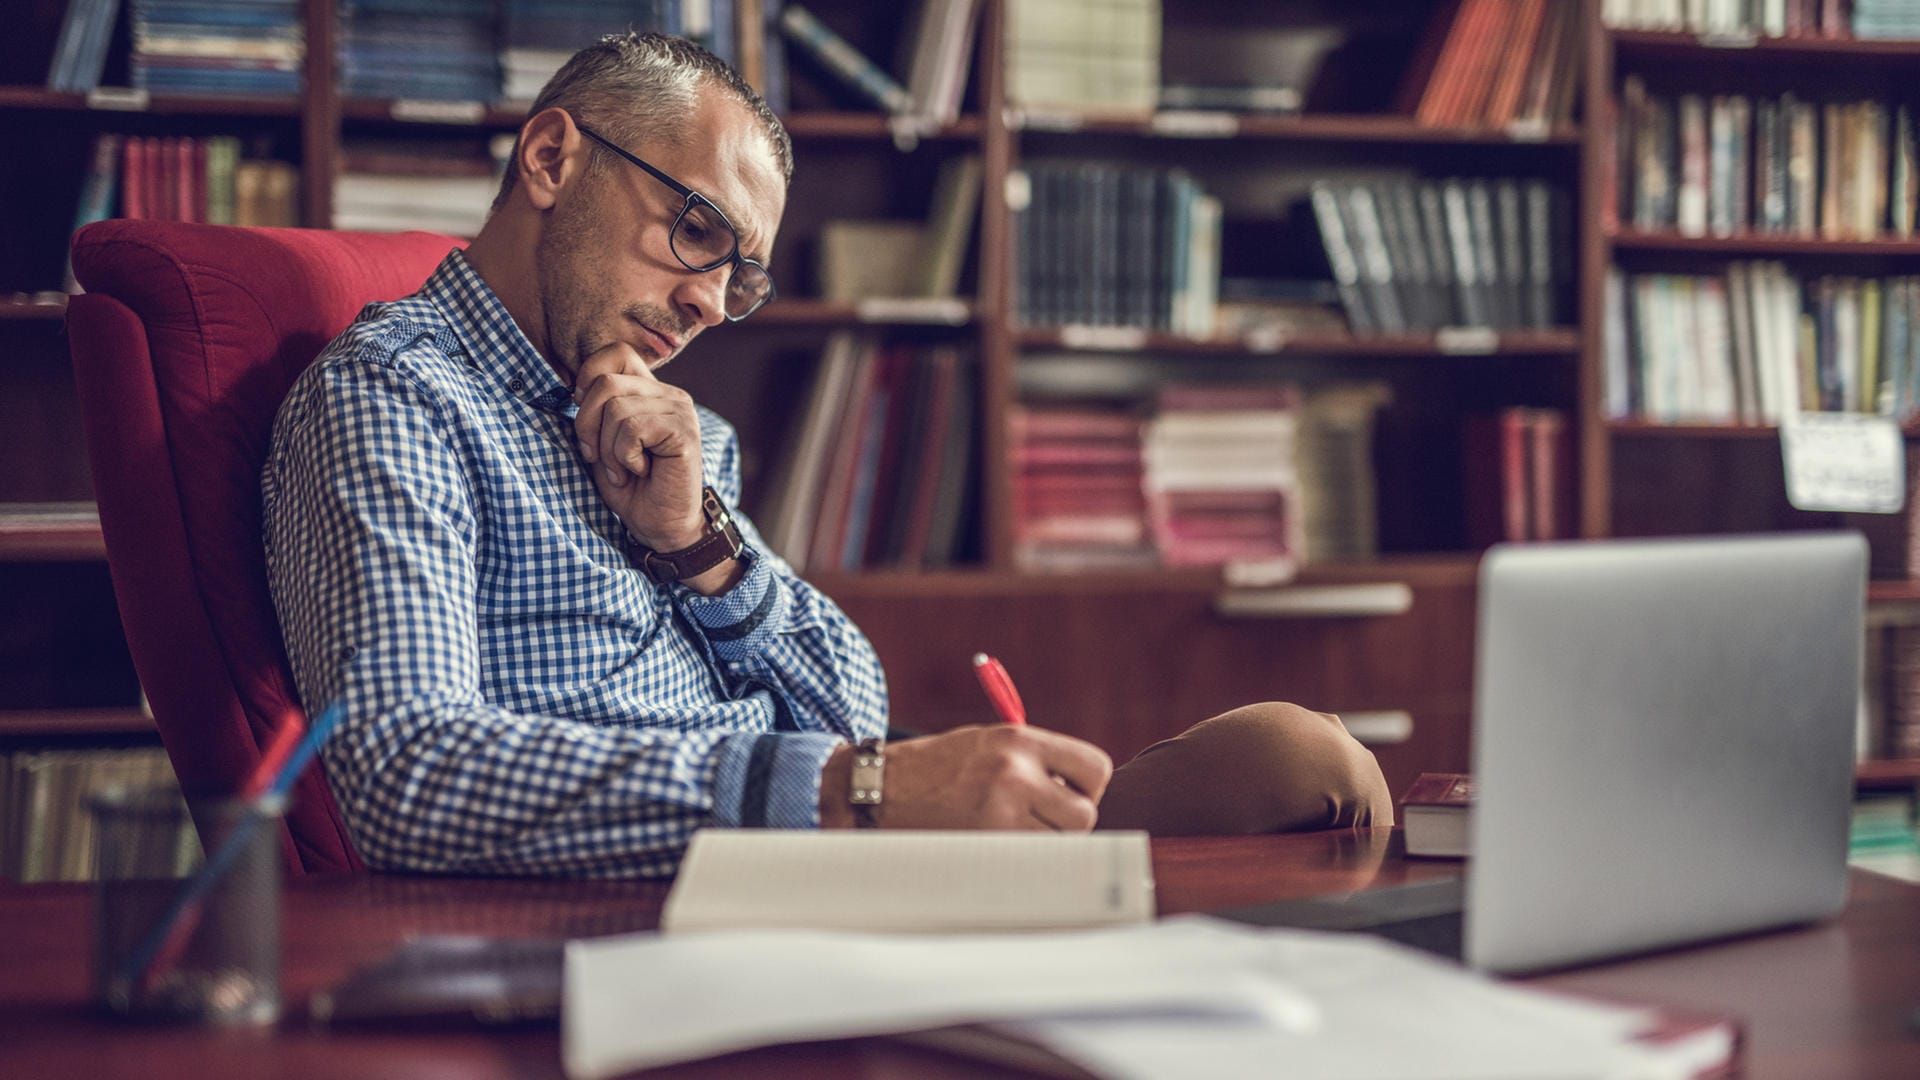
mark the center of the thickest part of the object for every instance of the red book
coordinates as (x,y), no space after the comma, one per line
(1434,815)
(133,193)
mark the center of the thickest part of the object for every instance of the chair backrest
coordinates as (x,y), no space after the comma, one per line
(184,345)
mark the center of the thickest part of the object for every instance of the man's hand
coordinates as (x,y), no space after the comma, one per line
(990,777)
(642,440)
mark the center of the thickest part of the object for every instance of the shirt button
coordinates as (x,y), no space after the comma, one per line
(516,385)
(349,652)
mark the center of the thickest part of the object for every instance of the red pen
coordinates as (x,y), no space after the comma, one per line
(999,687)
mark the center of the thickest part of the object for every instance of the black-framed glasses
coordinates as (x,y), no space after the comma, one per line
(703,239)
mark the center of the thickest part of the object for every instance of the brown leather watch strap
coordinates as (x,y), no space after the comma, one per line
(721,543)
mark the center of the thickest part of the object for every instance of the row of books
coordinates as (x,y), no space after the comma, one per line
(1259,477)
(1518,476)
(217,46)
(1881,837)
(1758,343)
(1726,164)
(428,49)
(882,469)
(1505,63)
(1100,244)
(1410,257)
(391,185)
(1769,18)
(46,831)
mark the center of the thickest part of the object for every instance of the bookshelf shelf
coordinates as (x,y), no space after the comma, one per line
(830,313)
(1889,774)
(50,309)
(1125,339)
(40,723)
(1761,245)
(875,126)
(1653,429)
(122,99)
(1323,128)
(1434,569)
(1893,591)
(1665,45)
(50,542)
(495,117)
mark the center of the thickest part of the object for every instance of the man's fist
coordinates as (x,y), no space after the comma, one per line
(991,777)
(641,437)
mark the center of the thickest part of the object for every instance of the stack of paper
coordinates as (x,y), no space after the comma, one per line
(1190,997)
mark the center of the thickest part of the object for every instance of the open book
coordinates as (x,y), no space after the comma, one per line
(910,881)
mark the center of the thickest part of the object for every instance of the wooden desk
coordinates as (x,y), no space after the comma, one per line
(1830,1001)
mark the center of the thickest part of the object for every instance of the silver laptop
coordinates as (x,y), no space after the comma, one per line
(1663,751)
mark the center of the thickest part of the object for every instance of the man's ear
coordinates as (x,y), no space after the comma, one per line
(549,156)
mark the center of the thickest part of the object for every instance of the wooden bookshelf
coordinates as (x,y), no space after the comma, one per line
(1466,343)
(41,723)
(30,308)
(1763,246)
(1657,45)
(50,543)
(1891,775)
(111,99)
(1307,128)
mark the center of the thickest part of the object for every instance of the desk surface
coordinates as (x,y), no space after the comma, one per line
(1829,1001)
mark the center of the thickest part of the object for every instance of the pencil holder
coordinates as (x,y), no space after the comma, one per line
(175,940)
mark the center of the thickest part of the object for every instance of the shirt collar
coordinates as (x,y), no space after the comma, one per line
(493,342)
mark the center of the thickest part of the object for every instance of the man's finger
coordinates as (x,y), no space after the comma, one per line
(1084,766)
(1062,809)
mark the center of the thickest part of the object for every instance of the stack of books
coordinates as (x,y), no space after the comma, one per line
(1222,479)
(1078,496)
(433,50)
(218,46)
(1886,19)
(392,186)
(538,36)
(1339,489)
(1083,56)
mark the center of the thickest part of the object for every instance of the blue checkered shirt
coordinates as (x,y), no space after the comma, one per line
(519,700)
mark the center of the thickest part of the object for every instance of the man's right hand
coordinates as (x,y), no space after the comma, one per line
(986,777)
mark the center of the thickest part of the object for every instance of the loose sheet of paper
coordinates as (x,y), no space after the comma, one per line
(1187,998)
(643,1000)
(1387,1013)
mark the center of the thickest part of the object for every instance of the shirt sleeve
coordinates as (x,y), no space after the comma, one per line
(774,631)
(370,533)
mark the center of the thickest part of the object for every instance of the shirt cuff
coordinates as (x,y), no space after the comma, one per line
(771,781)
(740,622)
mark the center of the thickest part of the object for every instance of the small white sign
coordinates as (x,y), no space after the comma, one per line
(1844,461)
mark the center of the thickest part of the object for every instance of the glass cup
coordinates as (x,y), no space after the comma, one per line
(218,961)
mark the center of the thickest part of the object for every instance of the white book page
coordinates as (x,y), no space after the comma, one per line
(908,881)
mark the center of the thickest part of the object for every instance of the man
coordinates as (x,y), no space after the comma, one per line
(505,544)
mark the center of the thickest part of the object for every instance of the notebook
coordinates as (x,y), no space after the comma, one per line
(1663,752)
(910,881)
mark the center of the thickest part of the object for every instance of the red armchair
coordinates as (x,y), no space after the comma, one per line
(184,344)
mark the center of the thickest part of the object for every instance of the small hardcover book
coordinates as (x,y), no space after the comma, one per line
(1433,815)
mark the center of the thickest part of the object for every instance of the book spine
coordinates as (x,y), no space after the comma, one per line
(843,59)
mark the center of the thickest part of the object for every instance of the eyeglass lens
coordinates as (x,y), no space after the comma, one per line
(704,240)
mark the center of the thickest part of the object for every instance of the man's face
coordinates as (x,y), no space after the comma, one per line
(605,269)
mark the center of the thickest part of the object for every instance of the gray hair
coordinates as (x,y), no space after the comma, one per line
(639,89)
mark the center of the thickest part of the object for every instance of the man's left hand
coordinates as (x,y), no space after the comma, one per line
(641,438)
